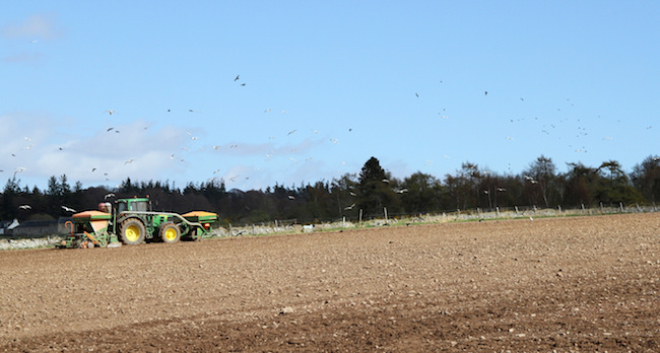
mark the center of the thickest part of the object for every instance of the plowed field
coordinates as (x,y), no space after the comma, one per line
(556,284)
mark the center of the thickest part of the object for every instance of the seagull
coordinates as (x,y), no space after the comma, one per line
(291,197)
(485,93)
(416,95)
(386,181)
(291,132)
(93,170)
(109,196)
(68,209)
(109,129)
(349,207)
(237,77)
(129,161)
(25,207)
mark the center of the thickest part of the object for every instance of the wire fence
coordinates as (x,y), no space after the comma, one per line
(385,219)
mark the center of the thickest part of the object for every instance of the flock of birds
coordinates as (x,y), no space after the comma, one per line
(547,129)
(65,208)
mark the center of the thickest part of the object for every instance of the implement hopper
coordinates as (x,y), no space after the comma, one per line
(201,216)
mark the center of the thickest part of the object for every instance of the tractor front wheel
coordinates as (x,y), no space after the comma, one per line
(170,233)
(132,232)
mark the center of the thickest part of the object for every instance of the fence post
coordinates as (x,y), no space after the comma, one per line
(498,210)
(231,232)
(516,210)
(621,206)
(583,210)
(385,210)
(559,208)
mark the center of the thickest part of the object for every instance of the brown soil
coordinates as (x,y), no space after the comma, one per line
(556,284)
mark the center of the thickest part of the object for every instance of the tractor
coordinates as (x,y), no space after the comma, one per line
(132,222)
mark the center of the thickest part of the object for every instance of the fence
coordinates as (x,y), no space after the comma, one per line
(384,219)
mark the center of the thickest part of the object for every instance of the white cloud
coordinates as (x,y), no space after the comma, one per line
(43,26)
(22,58)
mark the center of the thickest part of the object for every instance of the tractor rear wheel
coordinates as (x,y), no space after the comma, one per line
(132,232)
(170,233)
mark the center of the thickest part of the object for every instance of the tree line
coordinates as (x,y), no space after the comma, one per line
(365,194)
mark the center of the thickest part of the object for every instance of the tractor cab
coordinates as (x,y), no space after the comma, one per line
(135,204)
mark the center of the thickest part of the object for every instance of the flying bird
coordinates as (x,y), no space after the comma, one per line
(110,112)
(107,196)
(237,77)
(349,207)
(68,209)
(485,93)
(25,207)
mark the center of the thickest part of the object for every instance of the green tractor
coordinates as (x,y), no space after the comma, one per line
(133,222)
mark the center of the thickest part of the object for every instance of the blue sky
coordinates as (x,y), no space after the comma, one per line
(321,88)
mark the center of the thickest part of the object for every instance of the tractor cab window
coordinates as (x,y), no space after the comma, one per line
(121,207)
(139,206)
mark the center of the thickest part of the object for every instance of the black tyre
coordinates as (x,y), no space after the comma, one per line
(132,232)
(170,233)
